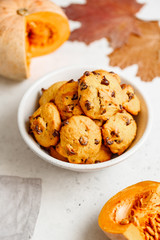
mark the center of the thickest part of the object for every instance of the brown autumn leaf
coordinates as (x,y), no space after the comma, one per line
(143,50)
(104,18)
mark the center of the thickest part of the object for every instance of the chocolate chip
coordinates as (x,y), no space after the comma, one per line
(113,133)
(130,96)
(96,141)
(109,142)
(109,104)
(83,141)
(112,72)
(105,81)
(97,161)
(65,123)
(120,106)
(70,81)
(118,141)
(43,90)
(113,94)
(95,73)
(38,130)
(85,161)
(100,102)
(55,133)
(123,86)
(98,94)
(69,108)
(83,86)
(128,122)
(88,105)
(75,96)
(87,73)
(103,111)
(71,151)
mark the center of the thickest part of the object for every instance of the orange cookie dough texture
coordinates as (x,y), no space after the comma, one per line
(56,155)
(80,139)
(100,94)
(29,29)
(119,132)
(103,155)
(45,124)
(133,213)
(132,103)
(66,100)
(48,95)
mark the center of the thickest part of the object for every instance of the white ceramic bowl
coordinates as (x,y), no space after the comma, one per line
(29,103)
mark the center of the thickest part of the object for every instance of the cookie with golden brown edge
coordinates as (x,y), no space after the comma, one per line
(99,122)
(49,94)
(132,103)
(116,76)
(103,155)
(66,100)
(100,94)
(80,139)
(119,132)
(56,155)
(45,124)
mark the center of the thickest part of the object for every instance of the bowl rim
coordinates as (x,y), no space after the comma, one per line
(72,166)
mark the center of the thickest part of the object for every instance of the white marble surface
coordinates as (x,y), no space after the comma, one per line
(71,201)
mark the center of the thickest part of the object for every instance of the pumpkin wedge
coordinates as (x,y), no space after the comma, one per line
(133,213)
(28,28)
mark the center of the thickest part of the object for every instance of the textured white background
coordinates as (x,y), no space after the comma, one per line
(71,201)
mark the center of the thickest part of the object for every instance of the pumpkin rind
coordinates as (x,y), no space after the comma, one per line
(122,205)
(14,17)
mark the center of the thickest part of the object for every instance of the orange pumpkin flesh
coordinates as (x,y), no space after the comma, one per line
(133,213)
(29,29)
(45,32)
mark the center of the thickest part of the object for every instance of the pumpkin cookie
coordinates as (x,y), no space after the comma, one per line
(48,95)
(116,76)
(45,124)
(66,100)
(119,132)
(132,103)
(99,122)
(100,94)
(56,155)
(103,155)
(80,139)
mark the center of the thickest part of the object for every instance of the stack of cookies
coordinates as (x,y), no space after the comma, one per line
(88,120)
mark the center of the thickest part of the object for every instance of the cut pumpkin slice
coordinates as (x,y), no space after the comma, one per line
(28,28)
(133,213)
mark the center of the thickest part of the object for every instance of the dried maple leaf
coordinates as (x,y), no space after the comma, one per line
(143,50)
(104,18)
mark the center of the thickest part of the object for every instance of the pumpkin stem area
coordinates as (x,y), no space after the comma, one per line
(22,12)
